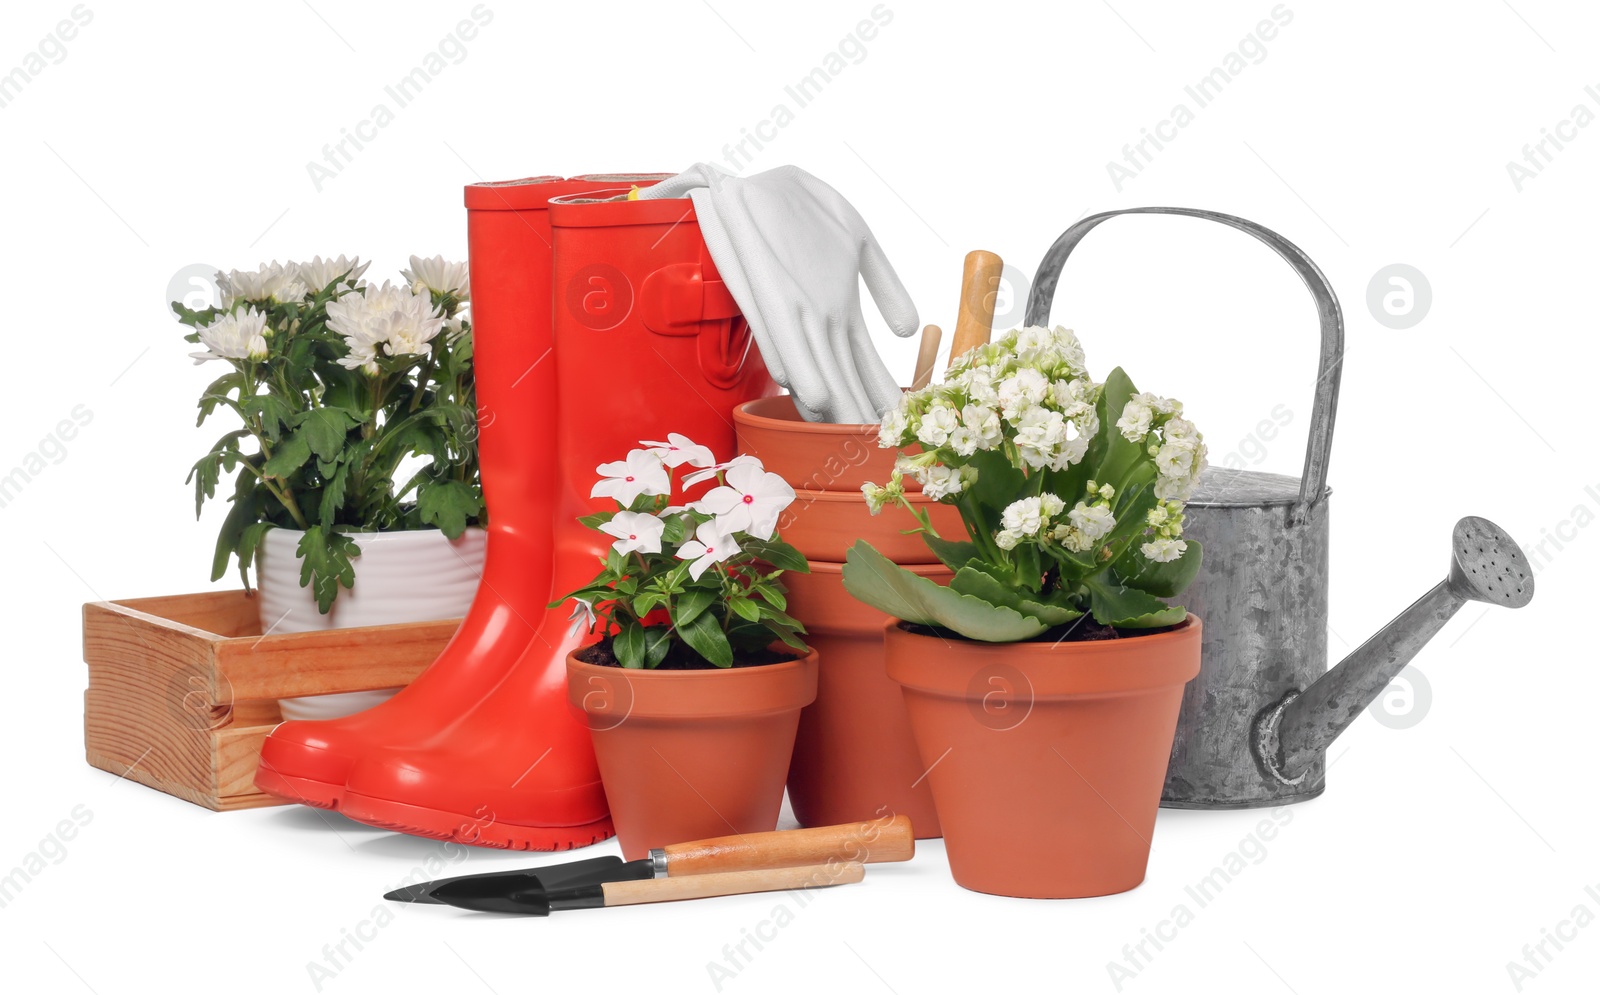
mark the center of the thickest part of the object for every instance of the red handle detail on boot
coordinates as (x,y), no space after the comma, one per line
(680,300)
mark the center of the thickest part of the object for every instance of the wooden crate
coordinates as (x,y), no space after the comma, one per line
(183,689)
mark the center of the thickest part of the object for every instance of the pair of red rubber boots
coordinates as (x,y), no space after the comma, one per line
(598,322)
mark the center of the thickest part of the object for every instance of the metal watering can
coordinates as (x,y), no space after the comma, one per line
(1257,722)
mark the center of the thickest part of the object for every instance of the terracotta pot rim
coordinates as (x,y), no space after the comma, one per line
(807,494)
(920,569)
(747,414)
(1061,669)
(768,689)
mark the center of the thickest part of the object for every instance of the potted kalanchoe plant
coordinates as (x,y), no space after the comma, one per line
(694,685)
(339,390)
(1048,673)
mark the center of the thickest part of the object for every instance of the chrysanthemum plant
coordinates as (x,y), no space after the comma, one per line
(334,383)
(689,586)
(1071,491)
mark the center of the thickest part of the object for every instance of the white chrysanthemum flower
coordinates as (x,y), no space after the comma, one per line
(1094,521)
(272,281)
(320,272)
(1164,550)
(383,321)
(936,425)
(235,335)
(1021,391)
(437,275)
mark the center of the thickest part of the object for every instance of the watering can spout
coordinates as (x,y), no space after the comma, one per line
(1486,565)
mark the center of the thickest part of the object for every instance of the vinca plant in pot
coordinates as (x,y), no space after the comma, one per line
(352,446)
(694,684)
(1043,681)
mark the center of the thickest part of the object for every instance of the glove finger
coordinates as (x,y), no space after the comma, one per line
(887,291)
(816,375)
(882,391)
(856,401)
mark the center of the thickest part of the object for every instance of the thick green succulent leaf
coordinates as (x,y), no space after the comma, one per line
(969,580)
(1128,607)
(876,580)
(1164,580)
(952,553)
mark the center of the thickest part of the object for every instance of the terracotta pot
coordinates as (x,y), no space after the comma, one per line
(854,757)
(825,524)
(1047,758)
(691,754)
(815,455)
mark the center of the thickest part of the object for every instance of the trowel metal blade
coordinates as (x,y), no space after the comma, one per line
(594,870)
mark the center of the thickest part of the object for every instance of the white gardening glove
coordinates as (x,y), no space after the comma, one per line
(793,253)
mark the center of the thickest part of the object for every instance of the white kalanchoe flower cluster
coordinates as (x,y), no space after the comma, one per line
(747,502)
(235,335)
(1171,439)
(1166,519)
(383,321)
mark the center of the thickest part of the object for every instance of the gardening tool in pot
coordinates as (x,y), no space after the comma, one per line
(879,841)
(1257,721)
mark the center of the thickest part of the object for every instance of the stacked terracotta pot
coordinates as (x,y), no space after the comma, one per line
(854,757)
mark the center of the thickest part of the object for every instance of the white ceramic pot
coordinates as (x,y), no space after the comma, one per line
(413,576)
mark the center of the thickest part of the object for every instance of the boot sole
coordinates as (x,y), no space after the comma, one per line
(484,831)
(302,790)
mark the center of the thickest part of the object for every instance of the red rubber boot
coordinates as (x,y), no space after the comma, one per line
(648,341)
(508,239)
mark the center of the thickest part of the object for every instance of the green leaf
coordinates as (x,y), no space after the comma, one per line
(778,553)
(998,484)
(249,542)
(448,504)
(597,519)
(745,608)
(705,636)
(1121,455)
(325,429)
(291,455)
(982,585)
(691,604)
(244,512)
(1129,608)
(326,564)
(274,412)
(952,553)
(657,641)
(1164,580)
(629,645)
(333,494)
(874,579)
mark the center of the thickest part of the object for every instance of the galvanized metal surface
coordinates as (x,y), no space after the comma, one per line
(1486,565)
(1257,721)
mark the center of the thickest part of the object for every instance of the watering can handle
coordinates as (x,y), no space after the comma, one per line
(1313,480)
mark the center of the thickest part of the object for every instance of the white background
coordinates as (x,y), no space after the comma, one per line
(1370,134)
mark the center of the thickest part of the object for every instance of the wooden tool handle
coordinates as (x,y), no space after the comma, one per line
(927,355)
(980,282)
(868,842)
(677,889)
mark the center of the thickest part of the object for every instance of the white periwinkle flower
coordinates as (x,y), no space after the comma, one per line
(641,473)
(437,275)
(709,545)
(680,449)
(635,532)
(750,501)
(236,335)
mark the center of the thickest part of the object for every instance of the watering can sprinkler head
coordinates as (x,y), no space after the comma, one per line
(1486,565)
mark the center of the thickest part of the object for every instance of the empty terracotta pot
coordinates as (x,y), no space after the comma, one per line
(1046,759)
(691,754)
(854,757)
